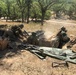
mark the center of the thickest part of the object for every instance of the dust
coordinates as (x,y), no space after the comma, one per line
(48,34)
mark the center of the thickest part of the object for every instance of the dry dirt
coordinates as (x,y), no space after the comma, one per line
(26,63)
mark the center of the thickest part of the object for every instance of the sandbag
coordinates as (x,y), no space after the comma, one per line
(3,43)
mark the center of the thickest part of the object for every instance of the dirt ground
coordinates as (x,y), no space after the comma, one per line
(26,63)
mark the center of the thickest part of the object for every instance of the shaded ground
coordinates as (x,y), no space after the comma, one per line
(25,63)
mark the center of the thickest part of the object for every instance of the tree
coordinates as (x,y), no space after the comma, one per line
(2,6)
(72,10)
(14,11)
(69,8)
(58,8)
(22,5)
(8,8)
(28,4)
(44,6)
(35,11)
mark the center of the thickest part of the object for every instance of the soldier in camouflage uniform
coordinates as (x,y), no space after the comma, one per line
(14,32)
(63,38)
(9,34)
(17,30)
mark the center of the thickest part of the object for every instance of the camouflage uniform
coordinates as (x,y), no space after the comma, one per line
(17,30)
(14,32)
(9,34)
(33,39)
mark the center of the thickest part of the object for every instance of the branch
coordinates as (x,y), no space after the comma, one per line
(18,3)
(50,4)
(40,4)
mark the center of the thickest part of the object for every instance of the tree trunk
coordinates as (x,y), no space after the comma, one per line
(42,19)
(7,18)
(28,12)
(22,16)
(8,13)
(4,17)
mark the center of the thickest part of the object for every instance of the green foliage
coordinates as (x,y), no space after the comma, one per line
(37,9)
(2,8)
(48,15)
(45,5)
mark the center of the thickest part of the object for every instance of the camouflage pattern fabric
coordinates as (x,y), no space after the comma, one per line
(66,55)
